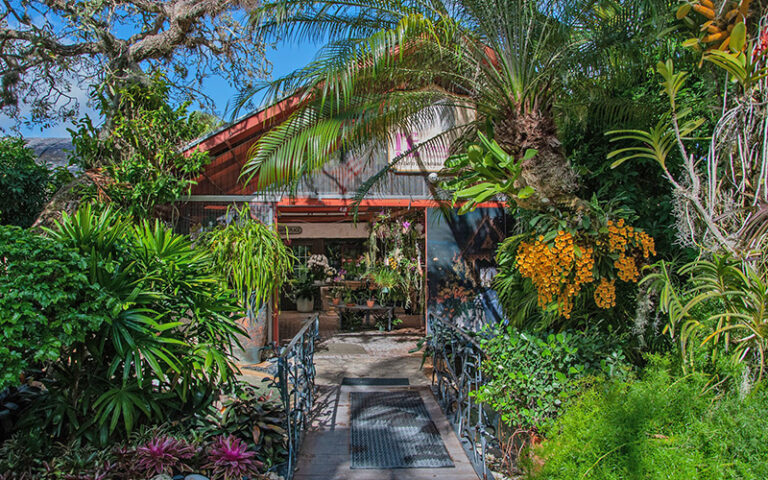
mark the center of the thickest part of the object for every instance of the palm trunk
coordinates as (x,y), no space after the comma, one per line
(549,172)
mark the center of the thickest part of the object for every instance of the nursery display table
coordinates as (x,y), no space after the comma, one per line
(368,311)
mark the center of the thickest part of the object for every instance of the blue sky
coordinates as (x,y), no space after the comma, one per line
(285,58)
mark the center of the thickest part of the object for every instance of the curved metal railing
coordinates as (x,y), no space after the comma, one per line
(456,375)
(296,383)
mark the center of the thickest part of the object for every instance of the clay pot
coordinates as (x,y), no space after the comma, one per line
(336,301)
(370,303)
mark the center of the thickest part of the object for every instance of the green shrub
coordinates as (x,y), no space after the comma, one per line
(530,375)
(140,148)
(155,344)
(661,426)
(719,311)
(25,186)
(47,302)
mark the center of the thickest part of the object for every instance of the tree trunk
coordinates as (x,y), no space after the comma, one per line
(69,196)
(549,172)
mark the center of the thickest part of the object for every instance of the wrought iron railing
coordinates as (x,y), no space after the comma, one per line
(296,382)
(456,360)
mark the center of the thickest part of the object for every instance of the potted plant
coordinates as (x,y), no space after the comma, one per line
(303,290)
(361,296)
(336,294)
(348,296)
(319,269)
(370,302)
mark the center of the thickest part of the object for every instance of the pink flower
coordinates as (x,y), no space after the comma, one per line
(762,44)
(163,455)
(229,458)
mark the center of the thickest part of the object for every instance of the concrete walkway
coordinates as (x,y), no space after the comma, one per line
(325,454)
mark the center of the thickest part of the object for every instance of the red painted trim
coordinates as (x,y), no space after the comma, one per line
(426,270)
(248,126)
(288,203)
(276,301)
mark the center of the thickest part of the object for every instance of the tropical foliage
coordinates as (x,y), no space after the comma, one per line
(123,332)
(664,425)
(387,64)
(566,259)
(138,150)
(531,375)
(720,191)
(717,27)
(47,302)
(486,172)
(251,256)
(137,325)
(393,261)
(721,306)
(25,186)
(150,453)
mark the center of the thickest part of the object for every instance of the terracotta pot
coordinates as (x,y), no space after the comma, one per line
(254,339)
(351,304)
(336,301)
(370,303)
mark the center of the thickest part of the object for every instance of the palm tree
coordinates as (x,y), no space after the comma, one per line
(387,61)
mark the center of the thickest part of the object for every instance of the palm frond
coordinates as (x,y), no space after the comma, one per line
(384,60)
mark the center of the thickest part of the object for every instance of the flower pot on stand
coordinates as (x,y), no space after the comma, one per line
(305,305)
(370,302)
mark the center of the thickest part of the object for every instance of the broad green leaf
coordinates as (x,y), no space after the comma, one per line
(526,192)
(738,37)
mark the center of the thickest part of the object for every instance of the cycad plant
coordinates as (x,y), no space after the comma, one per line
(388,62)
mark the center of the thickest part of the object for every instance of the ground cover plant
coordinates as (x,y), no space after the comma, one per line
(662,425)
(529,376)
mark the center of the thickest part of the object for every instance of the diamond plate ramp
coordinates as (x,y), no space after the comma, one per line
(393,430)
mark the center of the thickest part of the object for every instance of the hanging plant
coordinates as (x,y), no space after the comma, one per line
(394,257)
(252,257)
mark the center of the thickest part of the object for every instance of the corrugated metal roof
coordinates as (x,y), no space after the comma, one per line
(230,144)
